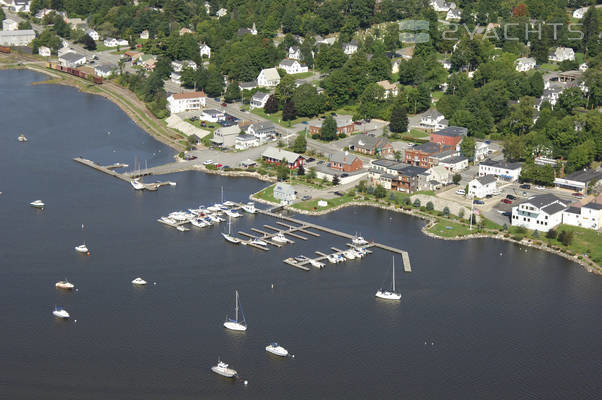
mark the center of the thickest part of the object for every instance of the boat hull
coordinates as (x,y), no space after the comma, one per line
(228,372)
(62,314)
(64,285)
(388,295)
(231,239)
(278,351)
(81,249)
(235,326)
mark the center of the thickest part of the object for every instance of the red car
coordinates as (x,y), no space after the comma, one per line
(219,165)
(578,195)
(507,201)
(224,104)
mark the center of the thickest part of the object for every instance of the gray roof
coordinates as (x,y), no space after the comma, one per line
(71,57)
(369,142)
(553,208)
(454,160)
(573,210)
(263,126)
(252,84)
(280,154)
(486,179)
(544,200)
(444,155)
(246,137)
(502,164)
(453,131)
(20,32)
(433,113)
(105,68)
(343,158)
(430,147)
(593,206)
(259,96)
(412,171)
(212,112)
(584,176)
(288,62)
(390,164)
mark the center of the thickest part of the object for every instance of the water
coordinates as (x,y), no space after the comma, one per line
(471,324)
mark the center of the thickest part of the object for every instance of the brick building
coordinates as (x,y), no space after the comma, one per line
(345,162)
(420,156)
(450,136)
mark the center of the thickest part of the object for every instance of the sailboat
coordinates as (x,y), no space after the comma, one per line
(82,248)
(136,183)
(235,324)
(392,294)
(37,204)
(229,237)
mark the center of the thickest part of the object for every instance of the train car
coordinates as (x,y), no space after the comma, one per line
(75,72)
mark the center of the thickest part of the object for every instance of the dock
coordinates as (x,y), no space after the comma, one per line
(110,170)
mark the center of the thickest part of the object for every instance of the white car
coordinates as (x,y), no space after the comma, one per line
(208,162)
(540,187)
(461,192)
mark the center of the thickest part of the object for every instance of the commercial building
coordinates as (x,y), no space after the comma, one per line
(540,213)
(450,136)
(343,161)
(482,186)
(501,169)
(189,101)
(344,125)
(273,155)
(225,137)
(371,145)
(421,155)
(579,181)
(17,38)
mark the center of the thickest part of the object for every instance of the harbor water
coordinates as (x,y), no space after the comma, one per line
(479,319)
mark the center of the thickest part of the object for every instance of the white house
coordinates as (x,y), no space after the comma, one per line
(453,14)
(433,119)
(244,142)
(112,42)
(180,102)
(454,164)
(144,35)
(481,151)
(72,59)
(10,25)
(562,54)
(258,100)
(44,51)
(350,48)
(178,66)
(587,216)
(268,78)
(17,38)
(285,193)
(106,70)
(441,5)
(525,64)
(176,78)
(222,12)
(501,169)
(580,12)
(294,53)
(225,136)
(263,131)
(542,213)
(212,115)
(391,89)
(93,34)
(205,50)
(482,186)
(18,5)
(440,174)
(293,66)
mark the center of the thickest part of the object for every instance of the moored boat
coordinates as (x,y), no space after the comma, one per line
(249,207)
(274,348)
(236,324)
(37,204)
(60,312)
(222,369)
(389,294)
(280,238)
(139,282)
(65,285)
(82,248)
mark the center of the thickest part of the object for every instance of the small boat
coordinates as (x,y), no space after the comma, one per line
(389,294)
(168,220)
(228,203)
(208,220)
(37,204)
(236,324)
(198,222)
(333,259)
(65,285)
(182,228)
(228,236)
(172,183)
(274,348)
(301,258)
(249,207)
(136,184)
(358,240)
(214,208)
(316,264)
(139,282)
(258,242)
(222,369)
(214,218)
(349,254)
(280,238)
(232,213)
(22,138)
(82,248)
(60,312)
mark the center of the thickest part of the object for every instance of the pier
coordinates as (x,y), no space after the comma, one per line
(110,170)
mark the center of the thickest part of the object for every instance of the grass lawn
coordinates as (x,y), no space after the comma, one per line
(267,194)
(450,229)
(100,46)
(585,241)
(312,205)
(277,118)
(417,133)
(549,67)
(303,75)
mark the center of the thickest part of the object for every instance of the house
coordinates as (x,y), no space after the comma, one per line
(106,70)
(222,12)
(211,115)
(258,100)
(250,31)
(132,56)
(350,48)
(18,5)
(439,174)
(247,85)
(371,145)
(294,53)
(345,162)
(482,186)
(329,41)
(42,13)
(268,77)
(344,125)
(395,66)
(263,131)
(274,155)
(93,34)
(248,163)
(454,164)
(293,66)
(525,64)
(579,181)
(446,64)
(501,169)
(420,156)
(450,136)
(188,101)
(144,35)
(176,78)
(178,66)
(10,25)
(550,95)
(285,193)
(406,53)
(391,89)
(244,142)
(580,12)
(184,31)
(76,23)
(205,50)
(454,14)
(441,5)
(225,137)
(587,216)
(394,175)
(433,120)
(542,213)
(72,59)
(481,151)
(44,51)
(561,54)
(21,37)
(110,42)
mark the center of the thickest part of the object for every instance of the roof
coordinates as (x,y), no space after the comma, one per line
(553,208)
(429,147)
(105,68)
(259,96)
(343,158)
(369,142)
(288,62)
(486,179)
(502,164)
(251,84)
(452,131)
(227,130)
(573,210)
(21,32)
(432,113)
(593,206)
(270,73)
(544,200)
(71,56)
(246,138)
(454,160)
(387,85)
(340,120)
(263,126)
(389,164)
(584,176)
(524,60)
(189,95)
(279,154)
(212,112)
(444,155)
(412,171)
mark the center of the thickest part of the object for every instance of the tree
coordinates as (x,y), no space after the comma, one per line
(215,82)
(24,25)
(335,180)
(580,156)
(285,89)
(446,211)
(232,92)
(467,147)
(289,112)
(307,101)
(380,192)
(311,175)
(514,148)
(271,105)
(397,155)
(88,42)
(361,187)
(430,206)
(456,178)
(565,237)
(283,171)
(301,170)
(328,131)
(399,118)
(300,144)
(417,203)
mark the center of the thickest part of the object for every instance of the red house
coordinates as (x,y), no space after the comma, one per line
(450,136)
(345,162)
(273,155)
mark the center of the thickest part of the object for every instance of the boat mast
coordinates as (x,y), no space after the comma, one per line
(393,274)
(222,202)
(236,306)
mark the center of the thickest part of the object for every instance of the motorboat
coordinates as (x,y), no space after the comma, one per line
(274,348)
(82,248)
(22,138)
(236,324)
(198,222)
(229,204)
(222,369)
(180,216)
(333,259)
(340,258)
(214,218)
(358,240)
(208,220)
(301,258)
(37,204)
(389,294)
(316,264)
(65,285)
(136,184)
(259,242)
(357,253)
(60,313)
(232,213)
(168,220)
(139,282)
(280,238)
(249,207)
(349,254)
(182,228)
(214,208)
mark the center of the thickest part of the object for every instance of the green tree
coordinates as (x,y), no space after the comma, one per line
(307,101)
(399,118)
(311,175)
(24,25)
(300,144)
(283,171)
(380,192)
(215,82)
(335,180)
(301,170)
(285,89)
(232,92)
(289,112)
(271,105)
(446,211)
(430,206)
(417,203)
(397,155)
(467,147)
(580,156)
(87,42)
(372,101)
(328,131)
(514,148)
(456,178)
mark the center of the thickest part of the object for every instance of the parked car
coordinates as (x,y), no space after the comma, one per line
(507,201)
(224,104)
(344,175)
(194,118)
(488,196)
(311,159)
(525,194)
(538,187)
(478,201)
(339,193)
(525,186)
(461,192)
(217,99)
(510,197)
(208,162)
(320,162)
(578,195)
(306,197)
(507,213)
(219,165)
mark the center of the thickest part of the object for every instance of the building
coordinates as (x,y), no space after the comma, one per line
(222,12)
(481,151)
(441,5)
(268,77)
(433,120)
(18,5)
(244,142)
(501,169)
(212,115)
(391,89)
(44,51)
(371,145)
(225,136)
(587,216)
(258,100)
(176,78)
(144,35)
(454,14)
(579,181)
(450,136)
(205,50)
(350,48)
(293,66)
(482,186)
(344,125)
(247,85)
(72,59)
(184,31)
(263,131)
(525,64)
(178,66)
(189,101)
(17,38)
(10,25)
(454,164)
(394,175)
(542,213)
(561,54)
(285,193)
(112,42)
(343,161)
(93,34)
(420,156)
(106,70)
(440,175)
(294,53)
(274,155)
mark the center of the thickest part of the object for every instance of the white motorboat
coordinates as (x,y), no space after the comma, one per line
(333,259)
(259,242)
(358,254)
(82,248)
(228,236)
(214,208)
(22,138)
(136,184)
(280,238)
(222,369)
(316,264)
(249,207)
(349,254)
(236,324)
(65,285)
(182,228)
(168,220)
(274,348)
(358,240)
(232,213)
(172,183)
(37,204)
(228,203)
(60,312)
(198,222)
(215,218)
(139,282)
(180,216)
(389,294)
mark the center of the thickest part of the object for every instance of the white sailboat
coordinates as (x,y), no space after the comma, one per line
(389,294)
(222,369)
(136,182)
(82,248)
(37,204)
(60,313)
(276,349)
(229,237)
(236,324)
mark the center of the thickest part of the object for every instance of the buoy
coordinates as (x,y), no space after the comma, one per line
(246,382)
(155,283)
(77,290)
(293,356)
(75,321)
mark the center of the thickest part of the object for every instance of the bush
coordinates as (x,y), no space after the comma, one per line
(505,227)
(552,234)
(565,237)
(212,167)
(417,203)
(342,135)
(536,234)
(456,178)
(430,206)
(181,155)
(446,211)
(315,136)
(521,230)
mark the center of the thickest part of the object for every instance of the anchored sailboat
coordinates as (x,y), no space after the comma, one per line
(389,294)
(229,237)
(236,324)
(82,248)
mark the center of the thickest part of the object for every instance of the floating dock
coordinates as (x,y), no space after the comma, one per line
(109,170)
